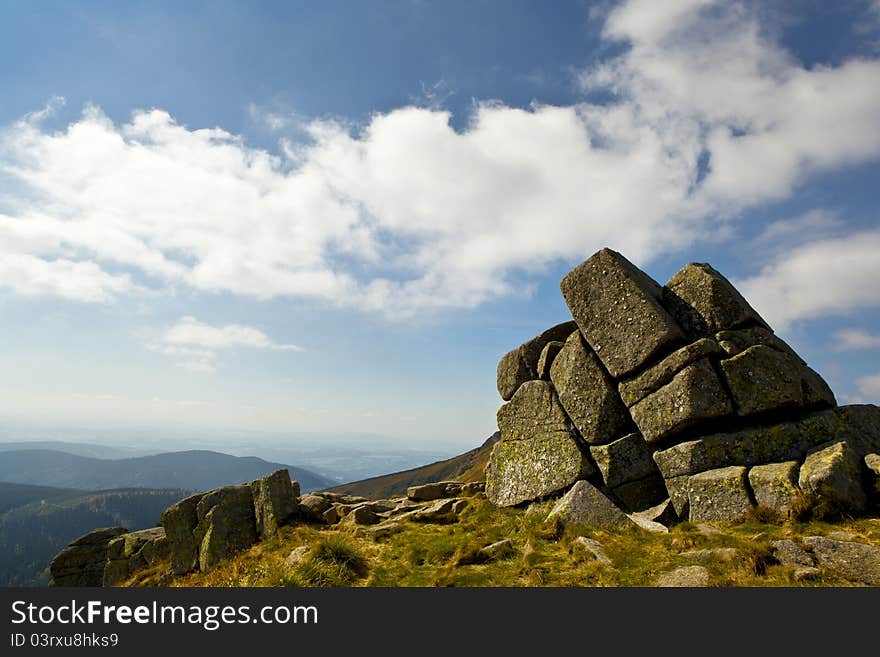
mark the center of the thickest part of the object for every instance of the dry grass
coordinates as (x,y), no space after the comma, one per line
(545,554)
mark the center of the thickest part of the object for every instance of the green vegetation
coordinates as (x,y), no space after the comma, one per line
(545,554)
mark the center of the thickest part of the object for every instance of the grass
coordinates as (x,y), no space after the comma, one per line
(545,554)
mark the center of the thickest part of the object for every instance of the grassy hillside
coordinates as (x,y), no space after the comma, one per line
(464,467)
(544,554)
(49,518)
(194,470)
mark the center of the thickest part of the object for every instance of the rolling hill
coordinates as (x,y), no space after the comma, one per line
(192,470)
(37,521)
(464,467)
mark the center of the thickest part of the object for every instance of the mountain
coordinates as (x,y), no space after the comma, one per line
(37,521)
(80,449)
(192,470)
(464,467)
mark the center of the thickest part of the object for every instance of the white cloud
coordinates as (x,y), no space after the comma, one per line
(195,360)
(852,339)
(408,215)
(869,388)
(809,226)
(191,332)
(825,277)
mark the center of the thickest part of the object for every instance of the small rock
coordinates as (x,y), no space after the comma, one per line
(586,505)
(686,576)
(384,529)
(498,550)
(806,574)
(313,506)
(297,555)
(362,515)
(595,548)
(710,555)
(789,553)
(873,463)
(708,530)
(856,562)
(330,516)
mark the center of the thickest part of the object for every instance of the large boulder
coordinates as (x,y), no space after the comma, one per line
(704,302)
(180,520)
(538,453)
(624,460)
(586,392)
(775,486)
(134,551)
(227,524)
(721,494)
(831,477)
(82,562)
(762,379)
(617,308)
(313,507)
(693,395)
(521,364)
(275,502)
(586,505)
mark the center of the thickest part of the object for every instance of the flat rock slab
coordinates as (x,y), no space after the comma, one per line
(586,505)
(831,477)
(693,395)
(617,307)
(719,495)
(652,379)
(587,393)
(704,302)
(684,577)
(856,562)
(775,486)
(521,364)
(538,453)
(785,441)
(594,548)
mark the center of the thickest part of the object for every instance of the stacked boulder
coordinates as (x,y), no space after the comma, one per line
(672,401)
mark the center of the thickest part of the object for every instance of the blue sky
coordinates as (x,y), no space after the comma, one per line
(291,217)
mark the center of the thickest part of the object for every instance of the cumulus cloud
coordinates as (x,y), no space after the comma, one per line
(821,278)
(406,214)
(869,388)
(852,339)
(194,344)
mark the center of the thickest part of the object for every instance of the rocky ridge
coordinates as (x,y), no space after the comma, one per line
(675,401)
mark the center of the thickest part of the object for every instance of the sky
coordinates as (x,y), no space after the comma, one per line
(336,217)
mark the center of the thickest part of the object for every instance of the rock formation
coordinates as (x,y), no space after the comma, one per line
(679,393)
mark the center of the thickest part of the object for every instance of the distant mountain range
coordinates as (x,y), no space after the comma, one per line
(469,466)
(191,470)
(37,521)
(80,449)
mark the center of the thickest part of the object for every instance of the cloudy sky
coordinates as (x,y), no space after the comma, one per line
(338,216)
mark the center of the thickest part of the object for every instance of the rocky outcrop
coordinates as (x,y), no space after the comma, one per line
(679,393)
(82,562)
(131,552)
(274,498)
(521,364)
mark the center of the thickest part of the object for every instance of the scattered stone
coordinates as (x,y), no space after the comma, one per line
(856,562)
(472,488)
(297,555)
(648,525)
(274,501)
(663,514)
(313,506)
(134,551)
(538,453)
(440,511)
(341,498)
(762,379)
(617,308)
(709,530)
(872,461)
(521,364)
(831,477)
(806,574)
(180,520)
(703,301)
(719,494)
(656,376)
(497,550)
(548,354)
(595,548)
(362,515)
(586,392)
(789,553)
(684,577)
(427,492)
(82,562)
(775,486)
(710,555)
(586,505)
(330,516)
(693,395)
(384,529)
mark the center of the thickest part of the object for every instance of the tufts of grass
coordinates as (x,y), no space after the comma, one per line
(333,561)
